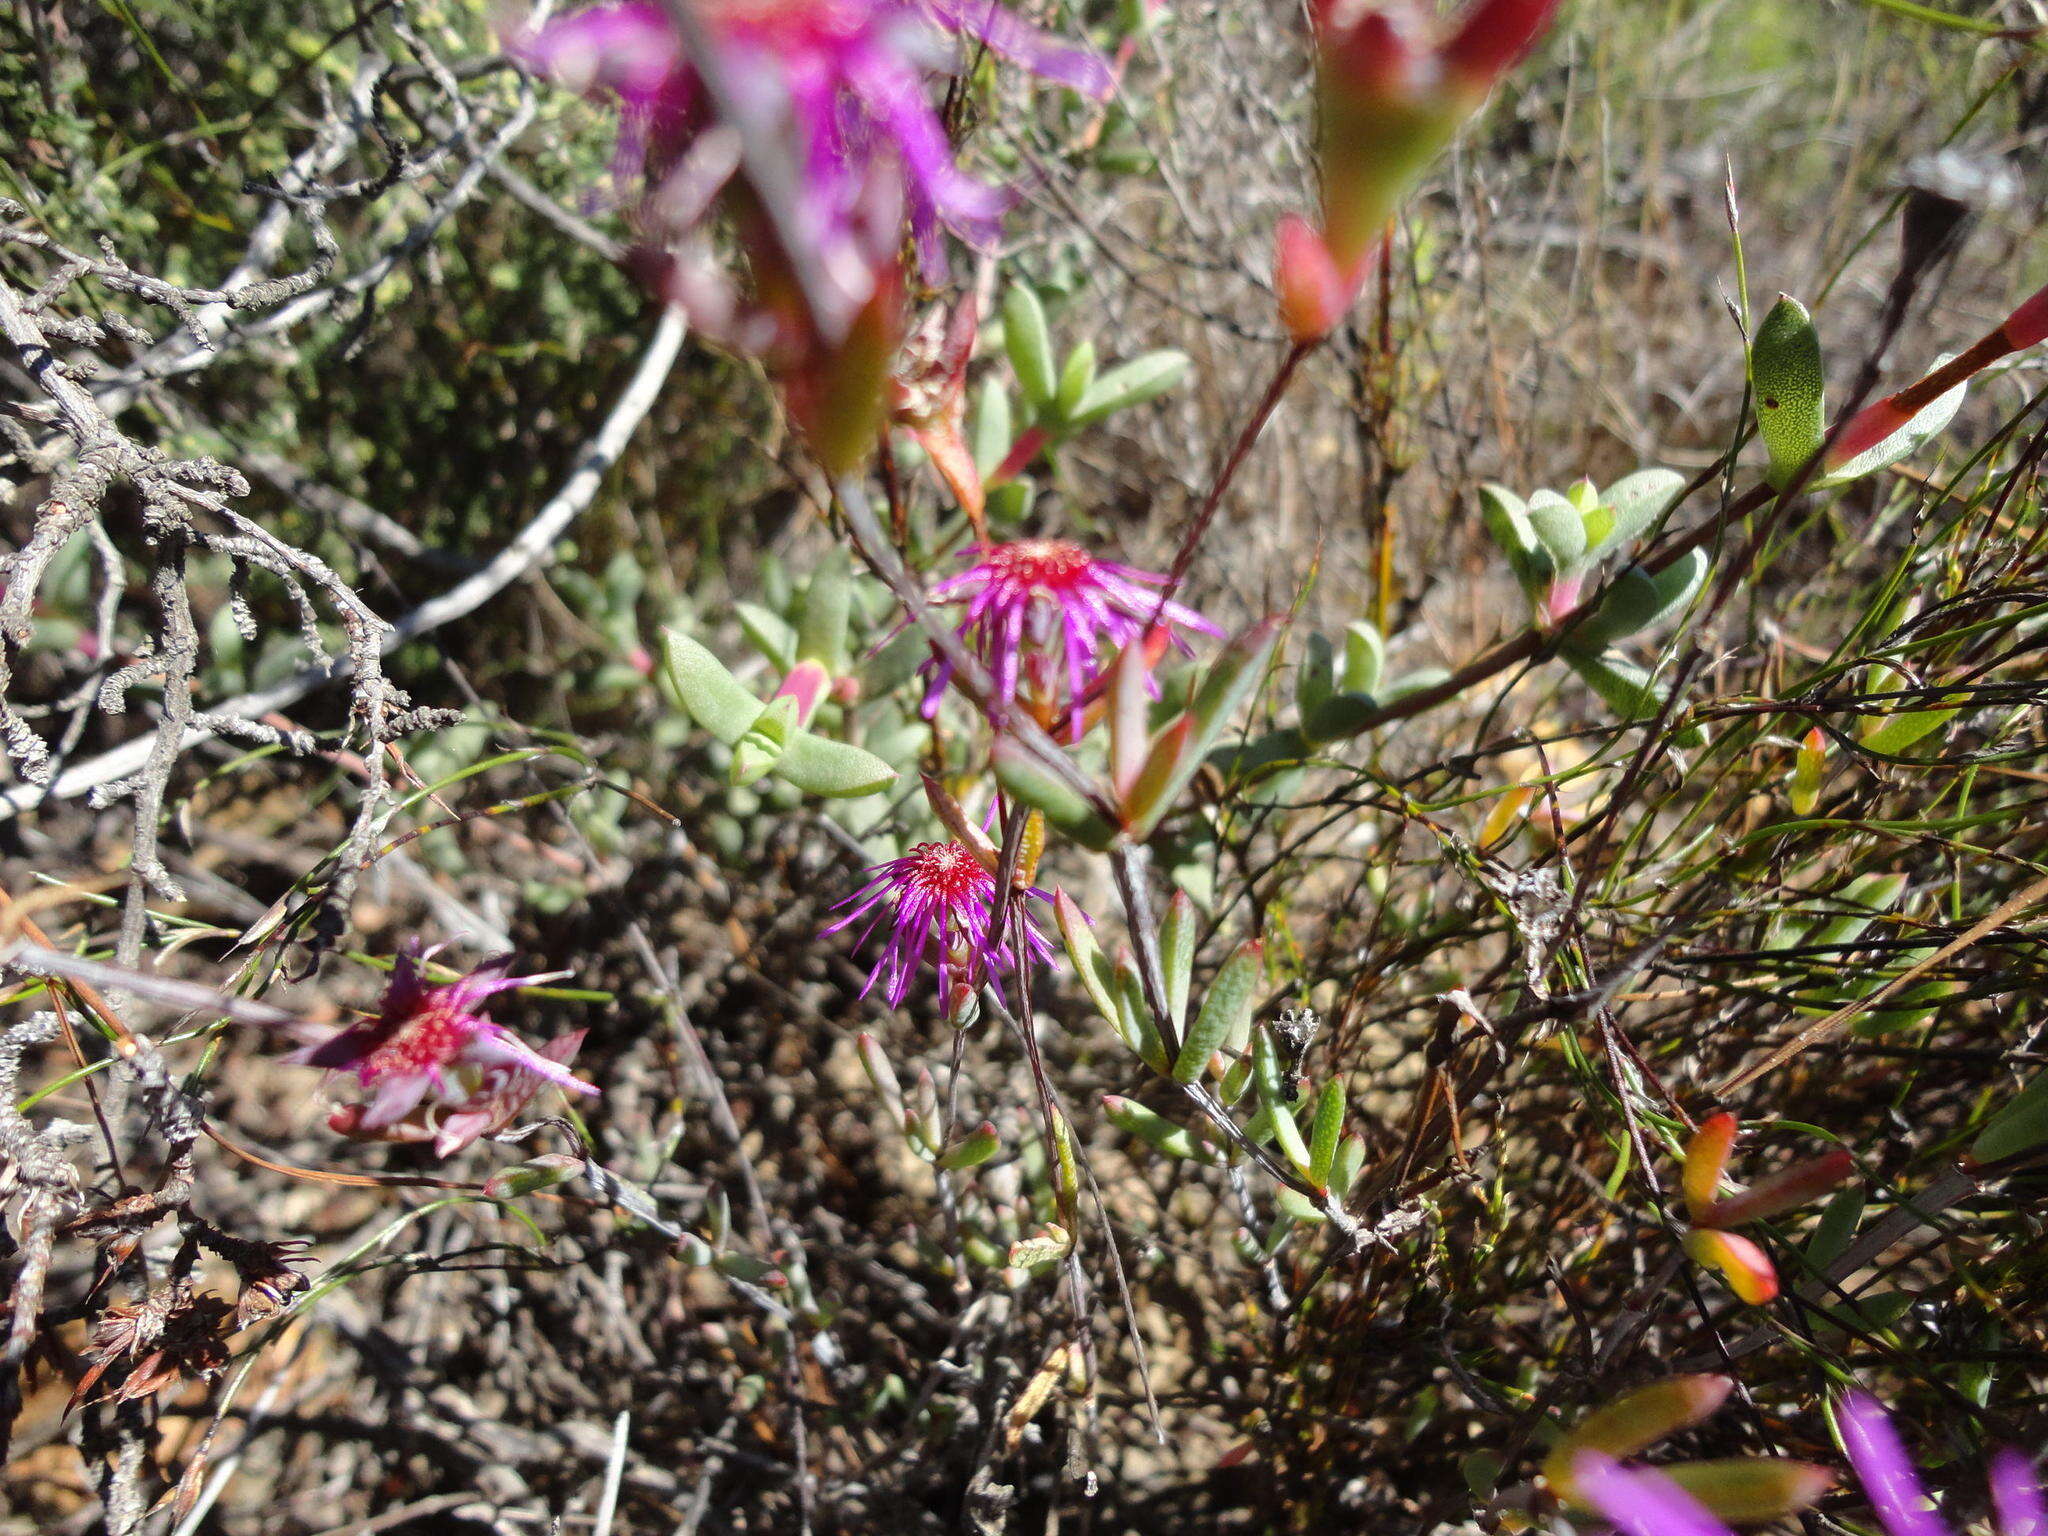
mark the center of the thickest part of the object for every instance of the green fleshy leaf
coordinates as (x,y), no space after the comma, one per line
(1128,384)
(1350,1163)
(1029,344)
(1293,1203)
(1135,1021)
(1399,688)
(1177,937)
(1230,680)
(992,432)
(1226,1010)
(971,1150)
(1832,1234)
(2021,1126)
(1339,716)
(1273,1100)
(1365,656)
(1637,501)
(821,632)
(1638,600)
(767,632)
(1559,527)
(1325,1132)
(710,694)
(1023,775)
(833,768)
(764,743)
(1010,501)
(1086,955)
(544,1172)
(1622,685)
(1867,896)
(1751,1490)
(1075,378)
(1506,517)
(1902,1010)
(1791,387)
(1315,675)
(1157,1132)
(1893,734)
(1250,764)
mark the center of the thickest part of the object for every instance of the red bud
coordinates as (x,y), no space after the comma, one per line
(1746,1267)
(1313,293)
(1706,1155)
(1493,37)
(1796,1186)
(806,683)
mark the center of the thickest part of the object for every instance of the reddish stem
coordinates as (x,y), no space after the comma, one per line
(1239,451)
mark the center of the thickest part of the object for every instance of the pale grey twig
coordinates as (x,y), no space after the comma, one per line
(532,547)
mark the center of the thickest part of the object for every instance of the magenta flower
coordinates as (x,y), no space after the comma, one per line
(436,1039)
(1893,1486)
(1043,611)
(937,897)
(1641,1502)
(848,82)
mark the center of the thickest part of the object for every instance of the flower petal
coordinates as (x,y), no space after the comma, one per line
(2016,1493)
(1885,1471)
(1641,1502)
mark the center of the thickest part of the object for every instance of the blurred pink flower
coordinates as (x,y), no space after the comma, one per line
(938,896)
(436,1040)
(1040,608)
(847,82)
(1893,1486)
(1642,1502)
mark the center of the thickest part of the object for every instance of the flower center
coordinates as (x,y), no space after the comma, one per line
(946,872)
(1054,564)
(431,1038)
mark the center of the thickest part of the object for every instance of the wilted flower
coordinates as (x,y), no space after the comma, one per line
(937,897)
(172,1336)
(1641,1502)
(436,1039)
(930,400)
(1042,613)
(269,1280)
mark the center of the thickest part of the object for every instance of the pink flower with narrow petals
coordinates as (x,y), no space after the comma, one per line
(432,1048)
(937,899)
(1047,618)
